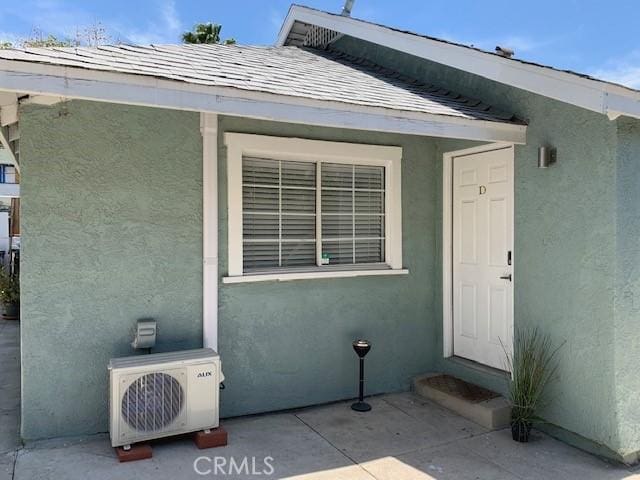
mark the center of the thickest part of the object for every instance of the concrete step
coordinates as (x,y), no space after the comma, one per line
(482,406)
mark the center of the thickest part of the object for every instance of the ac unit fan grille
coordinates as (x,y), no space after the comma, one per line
(152,402)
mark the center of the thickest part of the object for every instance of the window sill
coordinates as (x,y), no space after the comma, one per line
(285,277)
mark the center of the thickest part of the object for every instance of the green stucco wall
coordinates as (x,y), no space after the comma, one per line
(627,308)
(111,232)
(288,344)
(565,248)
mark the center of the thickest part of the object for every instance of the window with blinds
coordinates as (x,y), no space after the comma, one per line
(352,214)
(287,222)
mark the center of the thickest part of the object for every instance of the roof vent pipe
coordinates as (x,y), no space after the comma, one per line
(348,6)
(505,52)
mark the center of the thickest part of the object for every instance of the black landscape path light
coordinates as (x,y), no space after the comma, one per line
(361,348)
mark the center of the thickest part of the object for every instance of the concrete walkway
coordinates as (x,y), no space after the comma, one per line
(404,437)
(9,395)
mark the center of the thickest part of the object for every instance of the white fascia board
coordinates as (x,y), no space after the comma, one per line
(617,104)
(565,87)
(69,82)
(287,25)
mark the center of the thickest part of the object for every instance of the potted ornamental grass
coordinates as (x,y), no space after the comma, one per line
(10,294)
(533,366)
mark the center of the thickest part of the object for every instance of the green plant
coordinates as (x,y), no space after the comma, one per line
(533,366)
(9,288)
(40,41)
(206,33)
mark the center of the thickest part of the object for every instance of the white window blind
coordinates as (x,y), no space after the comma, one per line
(280,211)
(352,214)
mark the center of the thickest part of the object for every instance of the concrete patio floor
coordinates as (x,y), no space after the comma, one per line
(403,437)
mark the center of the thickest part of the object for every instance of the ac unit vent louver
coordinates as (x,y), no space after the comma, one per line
(152,402)
(163,394)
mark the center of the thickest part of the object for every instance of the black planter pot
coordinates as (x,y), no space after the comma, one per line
(520,431)
(11,311)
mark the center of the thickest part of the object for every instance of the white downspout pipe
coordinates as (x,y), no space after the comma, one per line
(209,130)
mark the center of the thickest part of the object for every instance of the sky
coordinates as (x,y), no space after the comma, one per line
(598,37)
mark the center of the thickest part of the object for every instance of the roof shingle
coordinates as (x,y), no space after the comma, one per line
(291,71)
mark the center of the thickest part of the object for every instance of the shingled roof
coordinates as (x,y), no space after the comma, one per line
(296,36)
(305,26)
(290,71)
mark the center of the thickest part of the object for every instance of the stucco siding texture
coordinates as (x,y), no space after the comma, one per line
(565,249)
(288,344)
(112,232)
(627,337)
(112,207)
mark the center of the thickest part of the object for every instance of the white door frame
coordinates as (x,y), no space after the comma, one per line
(447,237)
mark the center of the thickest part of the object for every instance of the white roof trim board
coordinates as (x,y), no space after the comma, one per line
(277,83)
(577,89)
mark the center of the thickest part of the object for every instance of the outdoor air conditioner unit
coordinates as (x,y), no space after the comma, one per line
(163,394)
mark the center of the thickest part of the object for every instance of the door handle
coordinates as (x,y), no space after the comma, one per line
(506,277)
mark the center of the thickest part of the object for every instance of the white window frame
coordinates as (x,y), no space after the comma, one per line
(303,150)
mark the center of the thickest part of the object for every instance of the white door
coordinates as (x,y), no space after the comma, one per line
(483,256)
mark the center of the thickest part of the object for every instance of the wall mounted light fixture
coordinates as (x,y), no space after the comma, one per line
(546,156)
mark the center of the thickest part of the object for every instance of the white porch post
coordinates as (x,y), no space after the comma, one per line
(209,130)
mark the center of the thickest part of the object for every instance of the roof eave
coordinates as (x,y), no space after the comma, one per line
(285,28)
(79,83)
(591,94)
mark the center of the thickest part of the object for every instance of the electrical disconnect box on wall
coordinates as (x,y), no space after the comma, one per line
(145,335)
